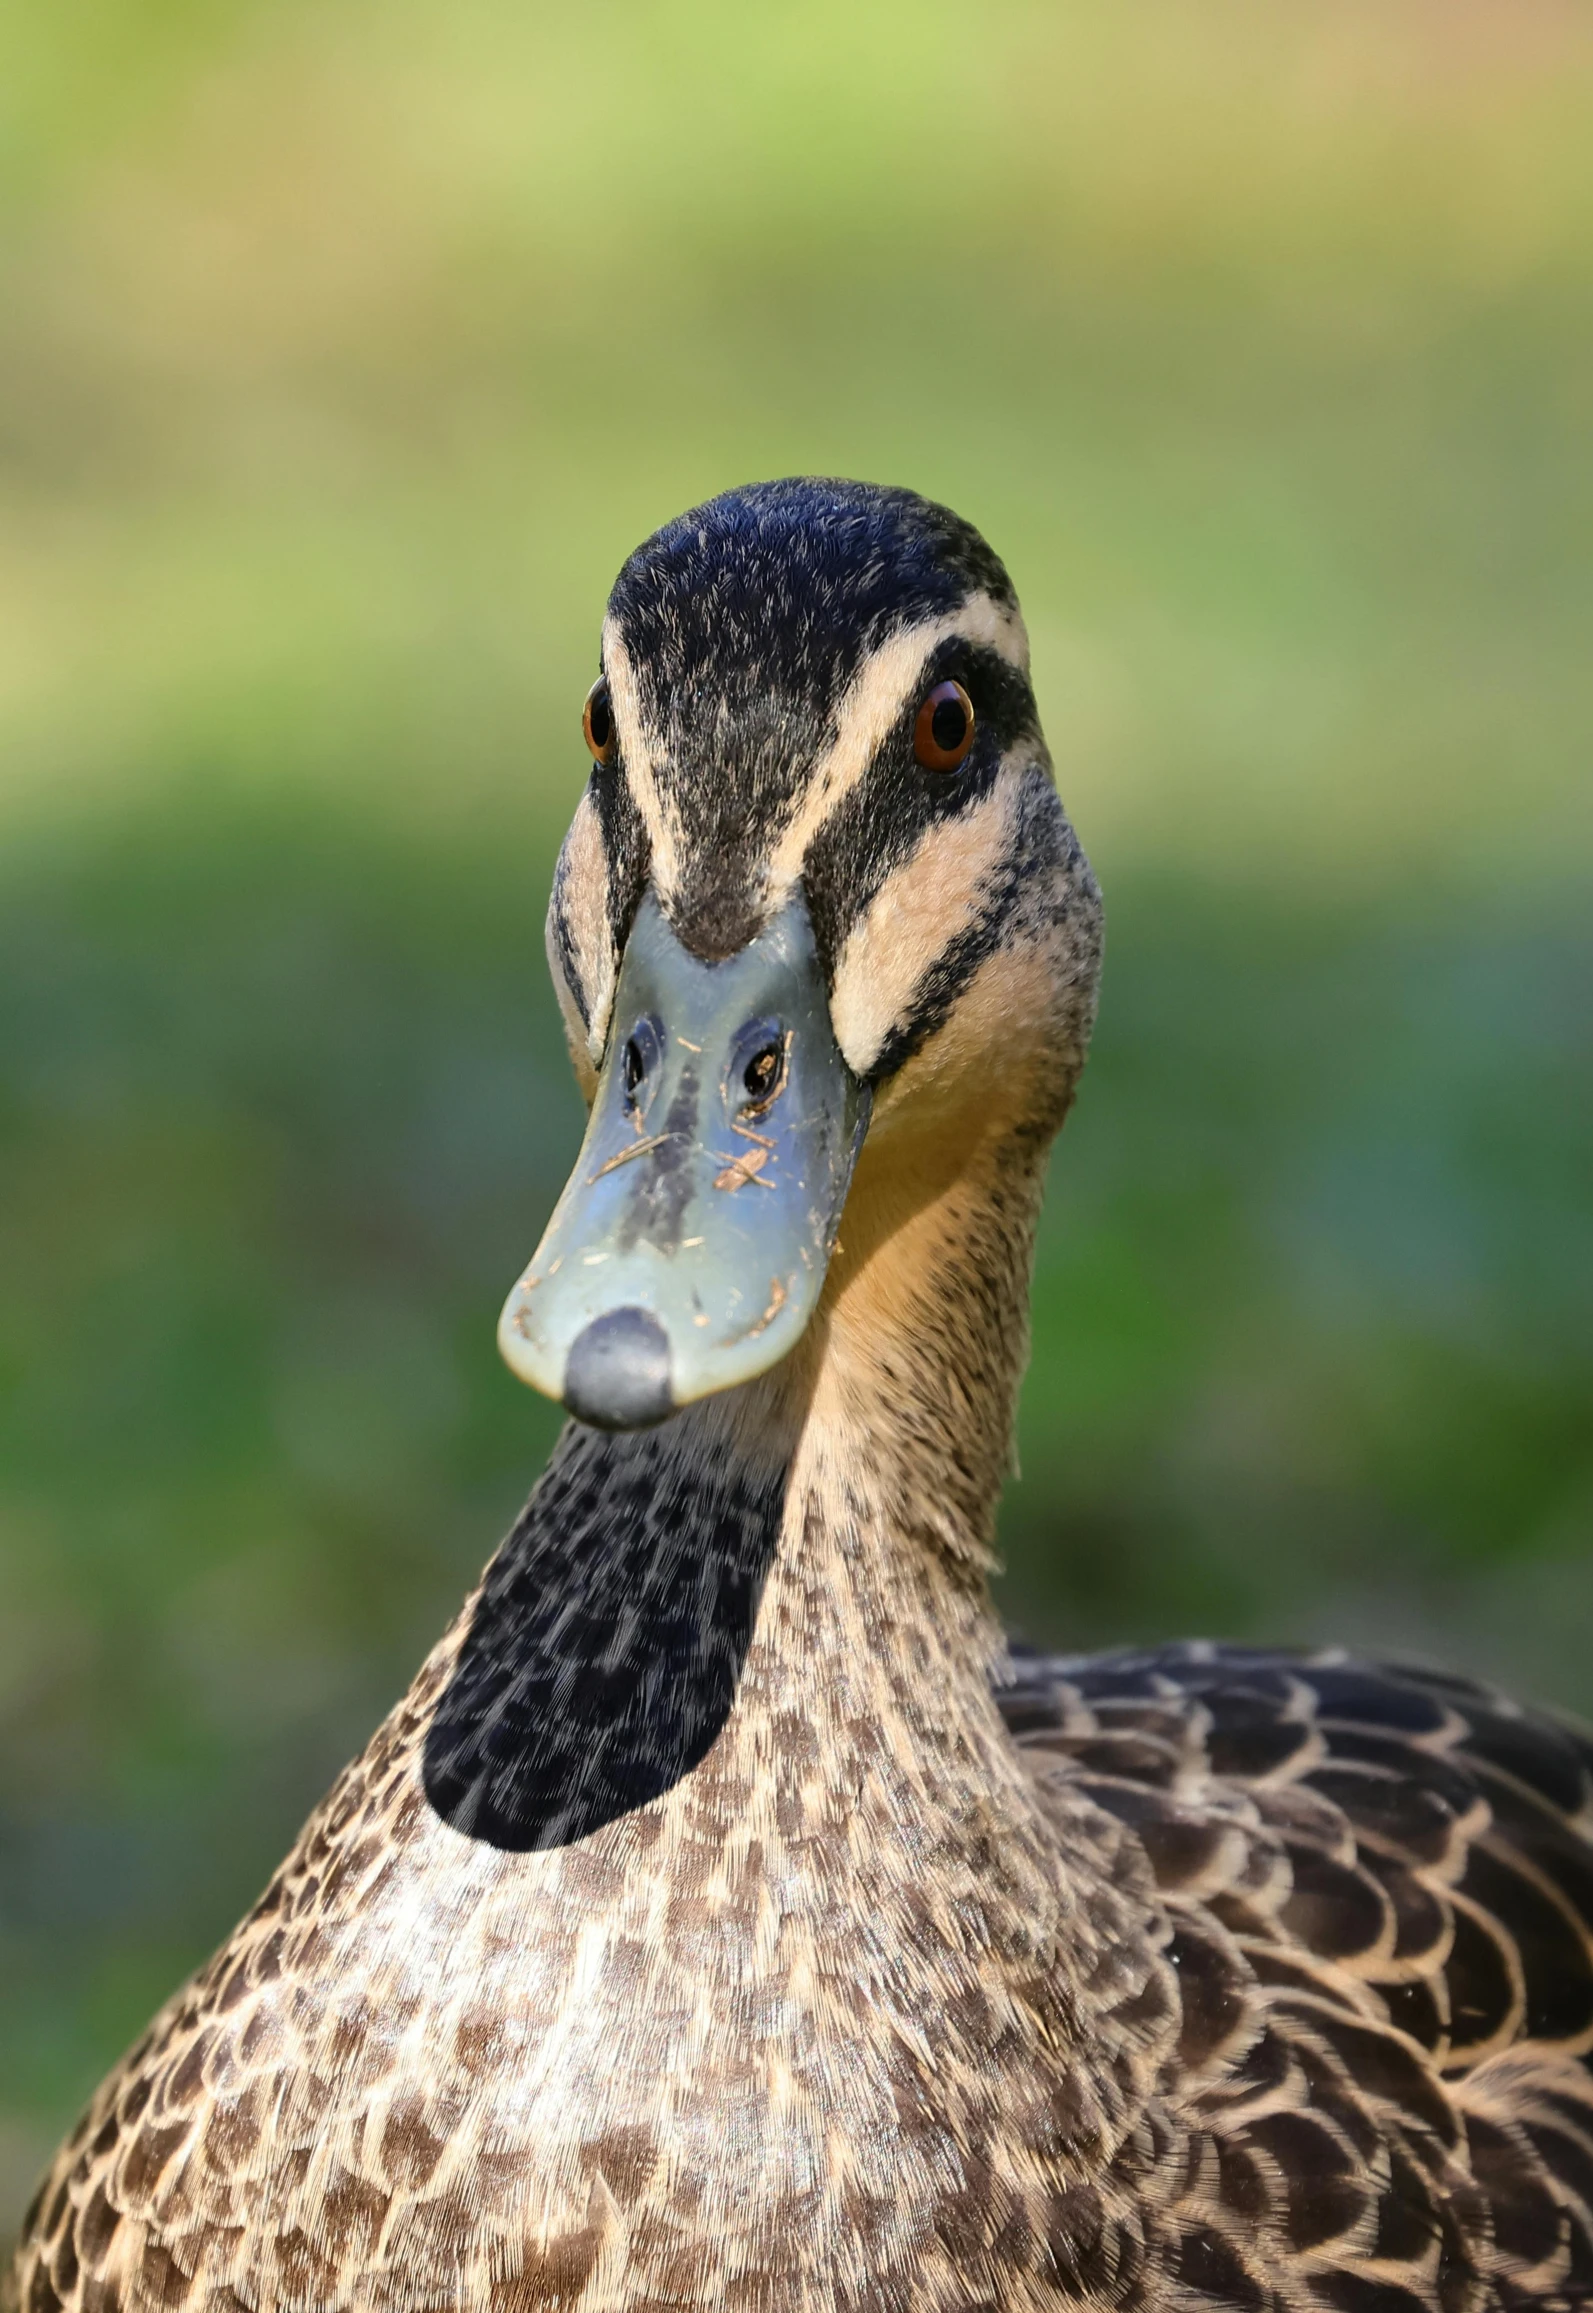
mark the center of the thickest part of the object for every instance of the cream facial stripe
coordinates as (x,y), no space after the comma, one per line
(639,754)
(928,902)
(873,701)
(580,943)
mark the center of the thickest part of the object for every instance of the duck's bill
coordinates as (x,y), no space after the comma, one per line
(688,1250)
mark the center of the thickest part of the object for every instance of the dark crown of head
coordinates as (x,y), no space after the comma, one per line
(790,585)
(743,624)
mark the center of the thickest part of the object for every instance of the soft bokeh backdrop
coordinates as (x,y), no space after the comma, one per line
(345,349)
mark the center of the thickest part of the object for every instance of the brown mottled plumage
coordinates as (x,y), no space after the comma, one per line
(724,1919)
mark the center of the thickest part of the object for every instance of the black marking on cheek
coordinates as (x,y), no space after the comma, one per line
(656,1212)
(1025,883)
(626,858)
(942,984)
(625,846)
(605,1650)
(564,941)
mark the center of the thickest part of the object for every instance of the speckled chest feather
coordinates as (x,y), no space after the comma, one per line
(804,2029)
(1179,1981)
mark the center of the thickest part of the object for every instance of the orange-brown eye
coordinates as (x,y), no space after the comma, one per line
(944,731)
(597,721)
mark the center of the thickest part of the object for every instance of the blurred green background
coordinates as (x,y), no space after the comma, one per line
(345,350)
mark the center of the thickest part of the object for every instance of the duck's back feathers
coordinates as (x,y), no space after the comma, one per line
(1378,1894)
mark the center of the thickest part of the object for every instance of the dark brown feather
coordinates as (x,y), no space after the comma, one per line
(1382,1890)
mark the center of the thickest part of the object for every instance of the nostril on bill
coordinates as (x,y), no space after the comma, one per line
(759,1065)
(617,1373)
(639,1062)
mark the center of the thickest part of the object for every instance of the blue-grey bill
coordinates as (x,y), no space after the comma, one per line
(688,1250)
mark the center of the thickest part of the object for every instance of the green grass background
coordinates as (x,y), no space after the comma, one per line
(345,349)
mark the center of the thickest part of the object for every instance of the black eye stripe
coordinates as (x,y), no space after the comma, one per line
(881,821)
(625,845)
(1002,695)
(876,827)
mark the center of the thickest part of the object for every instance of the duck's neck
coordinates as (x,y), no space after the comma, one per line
(769,1554)
(924,1338)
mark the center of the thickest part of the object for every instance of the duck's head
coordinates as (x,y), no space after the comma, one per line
(819,893)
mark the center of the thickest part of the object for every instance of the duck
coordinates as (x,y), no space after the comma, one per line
(729,1916)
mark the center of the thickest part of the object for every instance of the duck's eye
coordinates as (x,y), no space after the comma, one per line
(764,1074)
(944,731)
(597,721)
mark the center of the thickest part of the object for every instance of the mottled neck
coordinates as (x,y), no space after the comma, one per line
(927,1334)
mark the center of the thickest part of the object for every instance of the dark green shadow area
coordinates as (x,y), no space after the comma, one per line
(1313,1348)
(283,1103)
